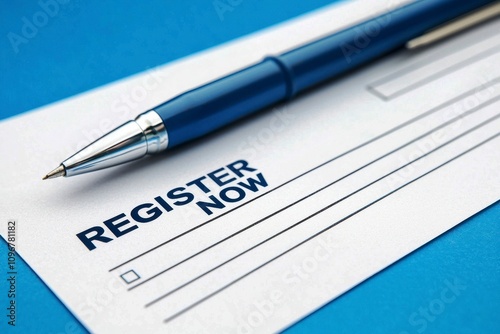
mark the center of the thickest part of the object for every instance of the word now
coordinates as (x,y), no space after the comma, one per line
(207,185)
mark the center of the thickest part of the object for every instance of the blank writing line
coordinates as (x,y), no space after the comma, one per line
(322,231)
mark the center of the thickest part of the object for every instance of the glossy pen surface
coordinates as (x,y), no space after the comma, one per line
(274,80)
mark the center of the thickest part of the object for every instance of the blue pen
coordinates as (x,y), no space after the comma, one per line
(275,79)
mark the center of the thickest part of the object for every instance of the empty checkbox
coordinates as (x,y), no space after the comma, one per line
(130,276)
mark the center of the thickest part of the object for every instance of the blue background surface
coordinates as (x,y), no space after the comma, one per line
(85,44)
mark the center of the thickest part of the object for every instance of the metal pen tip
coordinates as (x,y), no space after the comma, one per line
(59,171)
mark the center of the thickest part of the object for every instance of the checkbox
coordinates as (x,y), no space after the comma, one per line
(130,276)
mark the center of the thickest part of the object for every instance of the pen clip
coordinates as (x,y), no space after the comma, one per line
(454,26)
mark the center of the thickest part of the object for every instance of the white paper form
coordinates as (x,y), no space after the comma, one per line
(259,224)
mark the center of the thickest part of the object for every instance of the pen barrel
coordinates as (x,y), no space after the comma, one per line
(333,55)
(207,108)
(275,79)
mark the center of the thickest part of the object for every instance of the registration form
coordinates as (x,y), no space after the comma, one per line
(259,224)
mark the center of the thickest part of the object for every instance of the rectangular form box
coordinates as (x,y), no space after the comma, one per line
(426,71)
